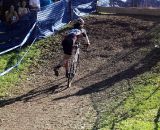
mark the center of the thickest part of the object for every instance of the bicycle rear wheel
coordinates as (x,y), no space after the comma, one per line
(70,75)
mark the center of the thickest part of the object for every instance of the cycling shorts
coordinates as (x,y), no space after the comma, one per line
(67,45)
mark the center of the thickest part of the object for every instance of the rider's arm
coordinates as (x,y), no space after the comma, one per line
(85,36)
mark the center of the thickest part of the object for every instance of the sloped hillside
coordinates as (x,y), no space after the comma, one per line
(122,51)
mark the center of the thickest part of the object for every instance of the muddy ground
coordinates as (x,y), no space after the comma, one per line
(121,48)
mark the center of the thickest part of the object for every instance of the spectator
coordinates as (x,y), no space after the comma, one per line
(11,15)
(23,9)
(17,5)
(34,4)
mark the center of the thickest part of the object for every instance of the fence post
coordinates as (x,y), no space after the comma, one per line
(96,6)
(70,10)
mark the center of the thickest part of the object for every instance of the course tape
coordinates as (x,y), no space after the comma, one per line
(23,42)
(18,63)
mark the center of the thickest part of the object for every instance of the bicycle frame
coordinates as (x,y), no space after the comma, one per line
(73,64)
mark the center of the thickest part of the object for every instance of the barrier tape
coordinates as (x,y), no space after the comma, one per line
(23,42)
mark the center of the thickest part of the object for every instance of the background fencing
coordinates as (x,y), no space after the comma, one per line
(49,20)
(43,23)
(53,17)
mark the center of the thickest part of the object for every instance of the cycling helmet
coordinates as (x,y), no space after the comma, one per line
(75,32)
(80,21)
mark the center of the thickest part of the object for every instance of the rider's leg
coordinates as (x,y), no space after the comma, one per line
(58,67)
(67,49)
(66,60)
(63,63)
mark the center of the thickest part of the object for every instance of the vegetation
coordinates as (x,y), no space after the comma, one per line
(34,57)
(18,74)
(140,110)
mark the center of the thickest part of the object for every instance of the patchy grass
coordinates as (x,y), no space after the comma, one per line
(140,110)
(34,57)
(143,106)
(17,74)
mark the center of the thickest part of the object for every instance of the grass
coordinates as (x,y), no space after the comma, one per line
(142,106)
(140,110)
(34,57)
(17,74)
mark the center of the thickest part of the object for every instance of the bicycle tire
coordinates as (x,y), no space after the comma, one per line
(72,71)
(70,75)
(76,65)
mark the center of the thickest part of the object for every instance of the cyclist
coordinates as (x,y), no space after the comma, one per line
(69,41)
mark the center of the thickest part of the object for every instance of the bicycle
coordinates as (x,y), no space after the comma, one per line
(73,64)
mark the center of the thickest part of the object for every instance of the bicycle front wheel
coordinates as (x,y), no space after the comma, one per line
(70,75)
(72,71)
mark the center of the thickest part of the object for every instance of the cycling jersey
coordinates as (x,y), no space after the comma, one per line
(71,38)
(75,32)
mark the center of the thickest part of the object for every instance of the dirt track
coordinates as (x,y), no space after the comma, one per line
(119,43)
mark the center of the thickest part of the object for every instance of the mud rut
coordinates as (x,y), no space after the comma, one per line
(44,103)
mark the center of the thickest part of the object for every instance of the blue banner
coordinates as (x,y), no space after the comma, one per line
(49,20)
(45,2)
(52,18)
(83,7)
(12,36)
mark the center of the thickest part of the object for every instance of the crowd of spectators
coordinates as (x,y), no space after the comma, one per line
(12,10)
